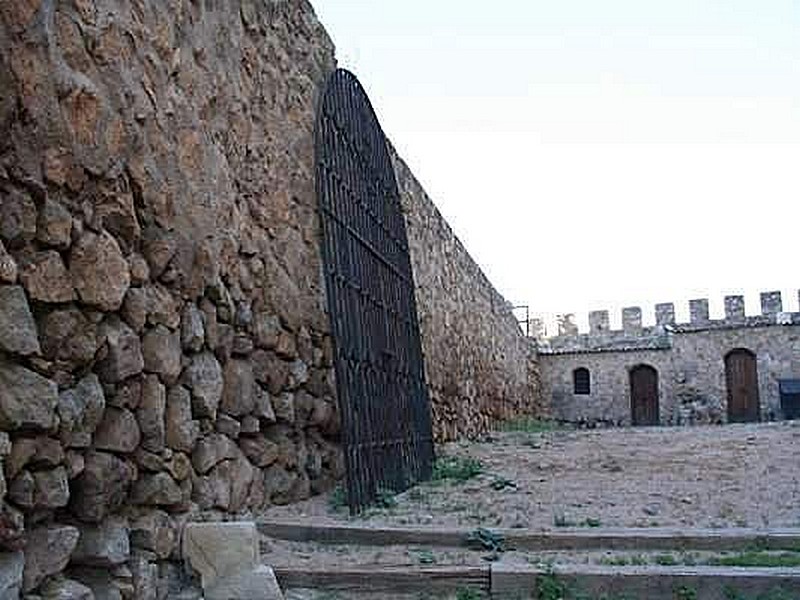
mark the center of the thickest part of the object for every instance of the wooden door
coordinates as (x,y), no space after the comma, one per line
(741,374)
(644,396)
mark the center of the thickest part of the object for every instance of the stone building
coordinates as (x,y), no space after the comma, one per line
(735,369)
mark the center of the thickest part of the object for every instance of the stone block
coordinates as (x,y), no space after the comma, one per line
(118,431)
(211,450)
(598,321)
(12,565)
(734,308)
(238,397)
(566,324)
(47,552)
(99,271)
(17,328)
(103,545)
(124,357)
(27,400)
(81,409)
(698,311)
(161,349)
(665,313)
(192,328)
(69,336)
(8,266)
(150,414)
(156,489)
(101,487)
(46,279)
(155,532)
(632,318)
(101,581)
(771,303)
(181,431)
(219,551)
(54,226)
(203,377)
(65,589)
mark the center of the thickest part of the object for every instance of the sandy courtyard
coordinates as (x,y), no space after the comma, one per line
(721,476)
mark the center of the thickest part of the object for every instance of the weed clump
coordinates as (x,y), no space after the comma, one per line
(468,594)
(561,520)
(759,559)
(550,587)
(488,540)
(337,501)
(501,483)
(456,468)
(385,498)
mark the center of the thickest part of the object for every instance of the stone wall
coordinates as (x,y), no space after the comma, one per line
(164,346)
(165,349)
(689,358)
(480,367)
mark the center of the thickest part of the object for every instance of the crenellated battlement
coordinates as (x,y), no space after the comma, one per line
(635,336)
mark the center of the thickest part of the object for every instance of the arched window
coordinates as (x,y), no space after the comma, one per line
(582,381)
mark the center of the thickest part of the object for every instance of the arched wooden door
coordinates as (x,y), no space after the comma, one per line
(644,395)
(741,374)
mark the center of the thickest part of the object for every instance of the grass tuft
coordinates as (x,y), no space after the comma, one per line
(758,559)
(486,539)
(337,501)
(456,468)
(468,594)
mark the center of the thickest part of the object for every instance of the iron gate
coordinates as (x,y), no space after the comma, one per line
(380,378)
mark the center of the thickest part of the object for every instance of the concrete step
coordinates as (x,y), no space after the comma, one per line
(646,583)
(520,573)
(387,580)
(510,582)
(715,540)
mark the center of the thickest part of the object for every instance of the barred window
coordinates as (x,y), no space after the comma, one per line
(582,381)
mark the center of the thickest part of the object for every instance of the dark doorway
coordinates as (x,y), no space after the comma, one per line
(644,396)
(790,398)
(741,374)
(380,379)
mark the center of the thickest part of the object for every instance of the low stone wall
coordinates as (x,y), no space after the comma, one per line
(164,347)
(480,367)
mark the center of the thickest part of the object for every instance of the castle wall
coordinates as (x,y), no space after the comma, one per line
(480,368)
(690,360)
(164,346)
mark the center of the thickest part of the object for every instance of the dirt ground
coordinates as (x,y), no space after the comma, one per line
(719,476)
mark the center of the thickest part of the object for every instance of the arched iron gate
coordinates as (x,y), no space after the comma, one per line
(380,378)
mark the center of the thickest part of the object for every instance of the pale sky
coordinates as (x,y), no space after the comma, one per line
(597,154)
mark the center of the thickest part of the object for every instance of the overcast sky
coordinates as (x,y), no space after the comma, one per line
(597,154)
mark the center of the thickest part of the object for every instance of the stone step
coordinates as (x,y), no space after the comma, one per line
(373,579)
(507,582)
(623,539)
